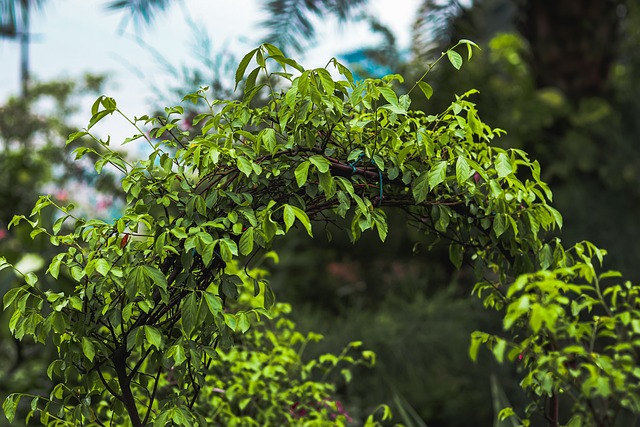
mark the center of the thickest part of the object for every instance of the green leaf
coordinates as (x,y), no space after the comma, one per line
(88,348)
(389,95)
(426,89)
(327,184)
(503,165)
(10,404)
(31,279)
(289,217)
(301,173)
(499,224)
(326,80)
(54,267)
(319,162)
(243,322)
(75,136)
(396,109)
(380,220)
(498,349)
(231,321)
(536,317)
(108,103)
(228,249)
(162,420)
(97,117)
(420,187)
(153,336)
(274,51)
(463,171)
(557,216)
(469,43)
(189,313)
(269,297)
(179,232)
(437,174)
(214,303)
(456,254)
(155,275)
(474,347)
(243,66)
(455,59)
(303,218)
(244,165)
(11,296)
(246,241)
(102,266)
(269,138)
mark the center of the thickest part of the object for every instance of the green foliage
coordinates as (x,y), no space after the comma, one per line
(158,296)
(573,335)
(421,358)
(33,131)
(263,379)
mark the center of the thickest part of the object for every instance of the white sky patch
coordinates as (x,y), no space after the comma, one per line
(76,36)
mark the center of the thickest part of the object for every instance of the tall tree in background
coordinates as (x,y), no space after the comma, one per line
(572,44)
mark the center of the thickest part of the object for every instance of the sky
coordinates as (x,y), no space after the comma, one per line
(72,37)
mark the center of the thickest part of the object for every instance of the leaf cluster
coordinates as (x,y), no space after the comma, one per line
(157,297)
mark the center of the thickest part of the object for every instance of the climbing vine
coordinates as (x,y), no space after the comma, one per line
(158,297)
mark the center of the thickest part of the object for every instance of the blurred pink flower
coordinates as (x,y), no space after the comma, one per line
(103,204)
(62,195)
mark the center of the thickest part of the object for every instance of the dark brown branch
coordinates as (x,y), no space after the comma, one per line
(152,398)
(107,386)
(119,358)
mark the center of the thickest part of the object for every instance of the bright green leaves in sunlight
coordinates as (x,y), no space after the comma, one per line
(503,165)
(455,58)
(291,213)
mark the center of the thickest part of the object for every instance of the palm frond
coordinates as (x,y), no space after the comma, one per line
(8,19)
(441,23)
(290,24)
(433,26)
(11,14)
(139,11)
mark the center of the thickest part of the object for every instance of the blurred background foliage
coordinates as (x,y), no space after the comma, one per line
(560,77)
(34,160)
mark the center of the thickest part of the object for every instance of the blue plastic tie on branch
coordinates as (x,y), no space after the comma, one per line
(354,163)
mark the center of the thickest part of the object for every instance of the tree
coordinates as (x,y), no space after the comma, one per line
(155,289)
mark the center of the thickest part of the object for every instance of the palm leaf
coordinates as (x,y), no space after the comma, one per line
(8,19)
(500,401)
(408,414)
(290,22)
(140,11)
(11,14)
(433,26)
(441,23)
